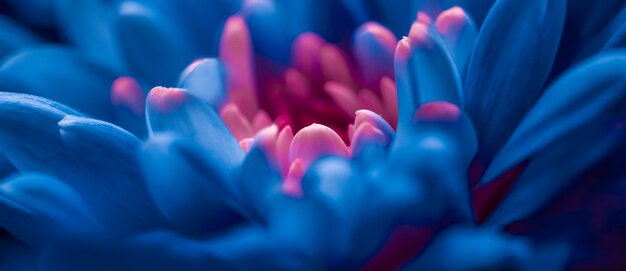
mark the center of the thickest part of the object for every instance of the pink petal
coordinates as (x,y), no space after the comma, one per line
(438,111)
(283,144)
(236,52)
(167,100)
(246,144)
(343,95)
(261,120)
(314,141)
(306,54)
(419,36)
(451,22)
(297,84)
(367,134)
(292,184)
(403,52)
(390,100)
(424,18)
(368,100)
(236,122)
(266,139)
(127,92)
(365,116)
(335,65)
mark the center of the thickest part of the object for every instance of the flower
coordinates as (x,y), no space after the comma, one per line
(460,146)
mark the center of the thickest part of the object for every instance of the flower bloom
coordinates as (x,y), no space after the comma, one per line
(479,140)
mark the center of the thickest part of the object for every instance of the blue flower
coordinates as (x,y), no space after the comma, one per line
(501,147)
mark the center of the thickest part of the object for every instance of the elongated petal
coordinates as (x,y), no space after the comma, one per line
(425,72)
(441,146)
(153,46)
(176,111)
(63,75)
(87,24)
(117,167)
(205,20)
(29,201)
(129,103)
(94,158)
(459,33)
(374,46)
(260,182)
(206,79)
(237,54)
(561,142)
(514,54)
(587,28)
(191,191)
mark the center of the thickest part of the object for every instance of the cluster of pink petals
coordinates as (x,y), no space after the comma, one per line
(330,104)
(334,99)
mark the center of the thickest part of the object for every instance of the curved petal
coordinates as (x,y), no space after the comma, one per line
(438,151)
(260,182)
(29,201)
(94,158)
(61,74)
(204,19)
(425,72)
(178,112)
(578,121)
(115,165)
(206,79)
(373,47)
(190,189)
(153,45)
(87,23)
(514,54)
(459,33)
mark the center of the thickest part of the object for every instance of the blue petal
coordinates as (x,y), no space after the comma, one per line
(260,182)
(193,193)
(116,167)
(576,123)
(13,36)
(587,28)
(429,74)
(60,74)
(464,248)
(513,57)
(88,24)
(178,112)
(155,251)
(614,34)
(27,202)
(36,12)
(310,228)
(438,155)
(206,80)
(154,47)
(479,9)
(94,158)
(204,20)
